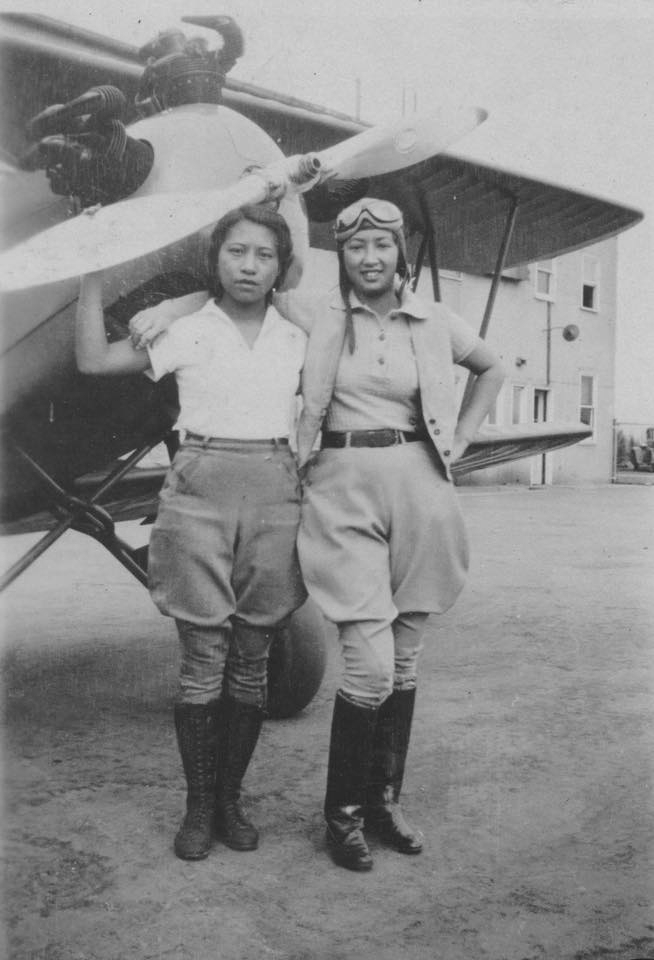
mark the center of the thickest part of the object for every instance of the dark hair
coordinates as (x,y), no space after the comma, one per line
(345,285)
(263,216)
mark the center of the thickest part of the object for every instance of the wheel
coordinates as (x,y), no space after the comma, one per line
(296,666)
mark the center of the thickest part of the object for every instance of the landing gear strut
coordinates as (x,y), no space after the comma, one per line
(85,515)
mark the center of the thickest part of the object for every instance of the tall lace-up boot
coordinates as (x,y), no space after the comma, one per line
(195,727)
(240,728)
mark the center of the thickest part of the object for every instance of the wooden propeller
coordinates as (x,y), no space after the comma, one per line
(104,237)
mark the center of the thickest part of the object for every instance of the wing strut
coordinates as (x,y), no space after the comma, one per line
(494,287)
(427,245)
(84,515)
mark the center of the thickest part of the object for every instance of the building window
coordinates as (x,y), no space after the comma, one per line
(587,391)
(540,405)
(544,280)
(498,410)
(590,271)
(493,417)
(517,406)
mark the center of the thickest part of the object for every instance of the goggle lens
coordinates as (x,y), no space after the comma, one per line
(379,213)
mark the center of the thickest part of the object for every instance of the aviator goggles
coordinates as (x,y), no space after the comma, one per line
(368,212)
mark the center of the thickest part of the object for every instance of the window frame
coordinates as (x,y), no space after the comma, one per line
(497,411)
(547,393)
(587,260)
(589,406)
(523,410)
(540,267)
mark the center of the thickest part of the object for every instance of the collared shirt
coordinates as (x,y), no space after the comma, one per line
(440,339)
(376,385)
(226,388)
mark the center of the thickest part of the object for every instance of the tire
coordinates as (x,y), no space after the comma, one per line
(297,662)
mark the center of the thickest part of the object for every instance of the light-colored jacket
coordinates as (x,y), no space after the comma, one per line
(440,339)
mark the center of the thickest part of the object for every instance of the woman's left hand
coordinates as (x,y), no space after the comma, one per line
(304,468)
(459,446)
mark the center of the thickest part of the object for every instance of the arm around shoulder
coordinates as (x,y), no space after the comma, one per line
(296,308)
(146,325)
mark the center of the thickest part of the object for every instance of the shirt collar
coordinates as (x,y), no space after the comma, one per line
(410,305)
(211,308)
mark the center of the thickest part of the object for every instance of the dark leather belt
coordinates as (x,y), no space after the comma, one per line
(197,438)
(368,438)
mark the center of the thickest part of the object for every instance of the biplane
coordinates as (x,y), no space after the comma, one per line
(91,123)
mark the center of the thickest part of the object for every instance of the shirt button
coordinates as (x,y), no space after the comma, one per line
(446,453)
(432,420)
(382,336)
(436,432)
(381,360)
(413,421)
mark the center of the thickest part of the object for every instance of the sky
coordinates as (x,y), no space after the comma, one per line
(574,76)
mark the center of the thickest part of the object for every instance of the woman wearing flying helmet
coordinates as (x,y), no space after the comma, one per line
(382,542)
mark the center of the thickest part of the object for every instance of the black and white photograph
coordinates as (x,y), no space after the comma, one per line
(327,480)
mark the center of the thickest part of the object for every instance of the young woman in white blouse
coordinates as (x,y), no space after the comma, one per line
(222,557)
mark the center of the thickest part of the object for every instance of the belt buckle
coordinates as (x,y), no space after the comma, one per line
(348,438)
(399,437)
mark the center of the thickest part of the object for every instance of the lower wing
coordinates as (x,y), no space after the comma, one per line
(494,445)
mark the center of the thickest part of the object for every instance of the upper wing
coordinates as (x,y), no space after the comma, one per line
(467,203)
(462,195)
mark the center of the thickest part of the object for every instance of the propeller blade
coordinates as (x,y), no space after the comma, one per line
(384,149)
(104,237)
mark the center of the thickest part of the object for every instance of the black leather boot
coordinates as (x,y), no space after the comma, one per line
(195,727)
(240,728)
(391,743)
(350,754)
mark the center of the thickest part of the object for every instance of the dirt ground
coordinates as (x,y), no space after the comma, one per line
(530,770)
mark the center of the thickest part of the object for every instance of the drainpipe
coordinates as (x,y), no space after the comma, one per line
(548,349)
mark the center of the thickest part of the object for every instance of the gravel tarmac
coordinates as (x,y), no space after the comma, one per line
(530,770)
